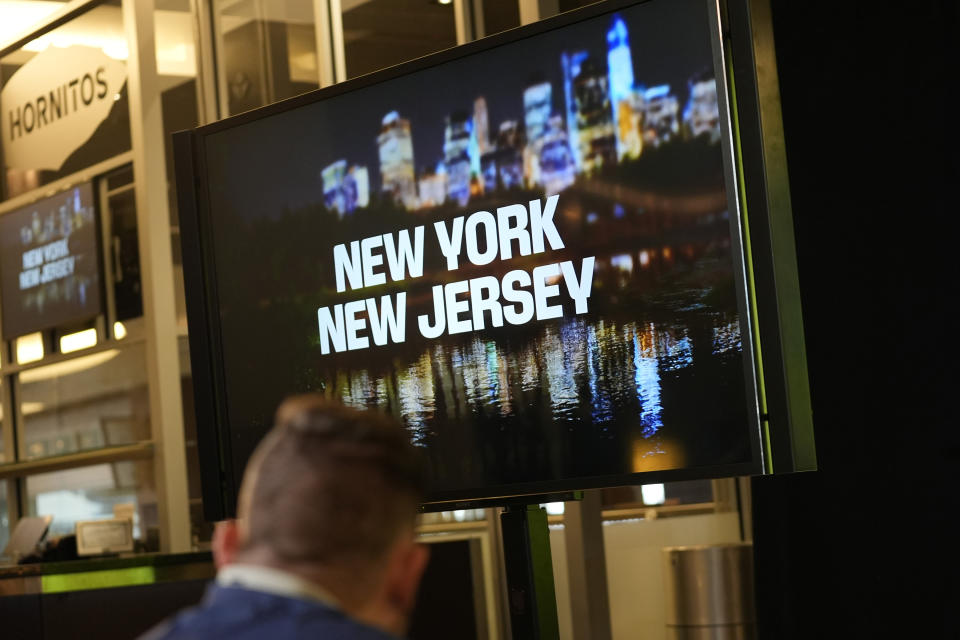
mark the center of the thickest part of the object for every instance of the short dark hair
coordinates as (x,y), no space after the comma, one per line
(331,485)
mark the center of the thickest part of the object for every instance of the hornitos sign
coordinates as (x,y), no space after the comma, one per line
(55,102)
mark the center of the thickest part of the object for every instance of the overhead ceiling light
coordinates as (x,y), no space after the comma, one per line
(79,340)
(119,331)
(20,15)
(653,493)
(100,28)
(29,348)
(554,508)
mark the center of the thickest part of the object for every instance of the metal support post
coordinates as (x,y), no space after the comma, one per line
(153,221)
(587,567)
(529,569)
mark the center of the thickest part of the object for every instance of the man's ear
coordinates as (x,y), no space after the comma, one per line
(409,562)
(226,542)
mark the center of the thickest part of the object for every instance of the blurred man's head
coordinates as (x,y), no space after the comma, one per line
(331,494)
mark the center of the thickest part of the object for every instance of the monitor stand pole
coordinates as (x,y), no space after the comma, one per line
(529,569)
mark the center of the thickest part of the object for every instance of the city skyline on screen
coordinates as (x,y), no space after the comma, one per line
(525,255)
(433,112)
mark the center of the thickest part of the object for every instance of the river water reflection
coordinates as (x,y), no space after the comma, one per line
(609,385)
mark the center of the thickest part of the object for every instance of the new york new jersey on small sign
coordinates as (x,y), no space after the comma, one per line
(54,103)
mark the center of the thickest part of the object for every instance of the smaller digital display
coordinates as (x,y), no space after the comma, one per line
(49,274)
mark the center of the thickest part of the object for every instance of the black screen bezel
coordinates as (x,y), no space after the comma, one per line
(220,480)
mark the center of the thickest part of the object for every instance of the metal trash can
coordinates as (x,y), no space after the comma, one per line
(709,592)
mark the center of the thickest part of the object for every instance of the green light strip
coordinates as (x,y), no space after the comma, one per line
(60,583)
(751,293)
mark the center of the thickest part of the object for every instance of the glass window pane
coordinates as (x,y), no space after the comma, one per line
(688,492)
(124,250)
(3,453)
(4,516)
(266,51)
(500,15)
(382,33)
(177,66)
(448,517)
(177,70)
(90,402)
(201,530)
(651,495)
(91,493)
(64,100)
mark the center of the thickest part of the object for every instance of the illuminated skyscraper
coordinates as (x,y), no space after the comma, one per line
(488,167)
(619,60)
(536,110)
(473,152)
(620,70)
(481,125)
(701,116)
(660,118)
(629,122)
(396,160)
(571,69)
(344,190)
(433,186)
(357,184)
(457,156)
(595,131)
(531,164)
(333,196)
(557,169)
(509,155)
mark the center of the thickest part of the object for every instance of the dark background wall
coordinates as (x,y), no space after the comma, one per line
(866,546)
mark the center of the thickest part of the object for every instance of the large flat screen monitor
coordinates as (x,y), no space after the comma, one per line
(528,250)
(49,263)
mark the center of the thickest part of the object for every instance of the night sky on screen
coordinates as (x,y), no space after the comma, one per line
(262,172)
